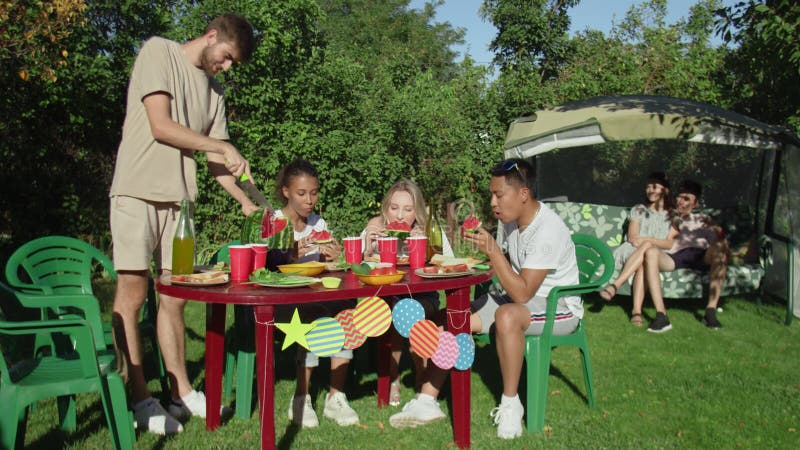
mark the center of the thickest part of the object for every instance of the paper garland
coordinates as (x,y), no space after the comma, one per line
(373,317)
(352,337)
(326,338)
(405,314)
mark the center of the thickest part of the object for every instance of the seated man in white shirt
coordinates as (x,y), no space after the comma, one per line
(541,255)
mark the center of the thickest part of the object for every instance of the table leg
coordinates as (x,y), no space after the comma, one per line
(265,363)
(215,347)
(458,304)
(384,359)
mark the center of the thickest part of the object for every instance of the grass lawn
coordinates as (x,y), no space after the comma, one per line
(691,387)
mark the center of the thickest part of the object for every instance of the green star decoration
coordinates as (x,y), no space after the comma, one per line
(295,331)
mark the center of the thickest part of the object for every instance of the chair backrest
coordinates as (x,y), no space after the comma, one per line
(223,254)
(594,258)
(64,264)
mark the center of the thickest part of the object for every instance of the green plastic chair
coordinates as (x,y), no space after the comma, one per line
(596,265)
(240,354)
(65,265)
(66,371)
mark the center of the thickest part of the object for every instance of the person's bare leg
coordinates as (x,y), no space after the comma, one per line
(128,301)
(655,262)
(511,321)
(717,257)
(638,291)
(172,340)
(632,265)
(338,375)
(397,351)
(301,387)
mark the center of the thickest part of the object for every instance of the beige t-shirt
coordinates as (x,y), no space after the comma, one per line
(150,170)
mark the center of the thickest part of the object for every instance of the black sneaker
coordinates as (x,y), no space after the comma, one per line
(660,324)
(710,319)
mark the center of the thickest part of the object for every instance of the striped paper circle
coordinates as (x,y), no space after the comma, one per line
(352,338)
(447,352)
(372,317)
(326,338)
(424,338)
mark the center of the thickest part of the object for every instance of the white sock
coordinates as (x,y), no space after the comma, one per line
(506,400)
(187,396)
(426,397)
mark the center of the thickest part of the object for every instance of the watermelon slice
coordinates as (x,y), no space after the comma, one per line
(321,237)
(271,225)
(398,229)
(262,227)
(471,224)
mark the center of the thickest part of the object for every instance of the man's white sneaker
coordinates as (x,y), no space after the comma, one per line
(418,411)
(149,415)
(338,409)
(191,404)
(302,413)
(508,418)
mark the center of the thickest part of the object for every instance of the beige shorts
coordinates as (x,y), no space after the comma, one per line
(138,229)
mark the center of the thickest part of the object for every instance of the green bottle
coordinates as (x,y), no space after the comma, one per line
(183,243)
(433,230)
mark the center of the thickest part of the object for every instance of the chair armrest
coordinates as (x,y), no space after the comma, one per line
(79,331)
(87,304)
(30,288)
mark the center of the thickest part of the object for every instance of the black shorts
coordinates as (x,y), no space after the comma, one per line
(691,258)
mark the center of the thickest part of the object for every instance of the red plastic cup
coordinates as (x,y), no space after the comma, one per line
(352,250)
(417,251)
(241,262)
(387,246)
(259,256)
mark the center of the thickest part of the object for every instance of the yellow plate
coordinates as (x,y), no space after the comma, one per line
(308,269)
(377,280)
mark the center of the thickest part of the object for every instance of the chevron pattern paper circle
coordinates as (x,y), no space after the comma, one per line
(352,338)
(326,338)
(372,317)
(466,351)
(446,354)
(405,314)
(424,338)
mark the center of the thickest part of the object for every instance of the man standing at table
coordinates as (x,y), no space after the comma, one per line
(175,107)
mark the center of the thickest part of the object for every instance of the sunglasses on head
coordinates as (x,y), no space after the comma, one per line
(508,166)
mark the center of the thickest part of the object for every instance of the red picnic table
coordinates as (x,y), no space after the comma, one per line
(265,299)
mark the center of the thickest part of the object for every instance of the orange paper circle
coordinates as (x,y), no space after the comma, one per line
(424,338)
(372,317)
(352,338)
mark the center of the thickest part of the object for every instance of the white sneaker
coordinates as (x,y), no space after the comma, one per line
(301,412)
(150,415)
(418,411)
(191,404)
(508,418)
(338,409)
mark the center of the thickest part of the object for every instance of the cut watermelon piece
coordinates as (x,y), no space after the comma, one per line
(321,237)
(262,227)
(471,224)
(398,229)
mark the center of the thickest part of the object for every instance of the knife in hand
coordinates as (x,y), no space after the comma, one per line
(246,184)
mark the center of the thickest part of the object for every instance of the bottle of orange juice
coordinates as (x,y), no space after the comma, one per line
(183,243)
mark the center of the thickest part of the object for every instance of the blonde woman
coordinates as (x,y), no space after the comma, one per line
(404,203)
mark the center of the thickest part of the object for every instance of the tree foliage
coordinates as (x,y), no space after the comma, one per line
(368,90)
(764,79)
